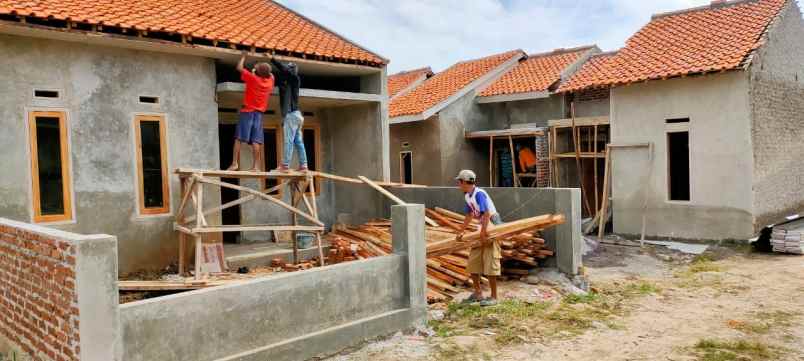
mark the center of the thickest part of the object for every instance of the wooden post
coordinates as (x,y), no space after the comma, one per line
(491,161)
(645,200)
(315,214)
(605,202)
(182,236)
(513,160)
(199,222)
(594,154)
(295,203)
(578,165)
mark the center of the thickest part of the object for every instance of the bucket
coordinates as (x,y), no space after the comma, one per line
(305,240)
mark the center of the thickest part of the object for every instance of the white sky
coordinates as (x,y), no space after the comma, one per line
(438,33)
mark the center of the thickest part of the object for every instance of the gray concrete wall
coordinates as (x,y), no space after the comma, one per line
(457,152)
(356,137)
(533,111)
(294,316)
(514,204)
(100,92)
(424,141)
(592,108)
(777,126)
(720,157)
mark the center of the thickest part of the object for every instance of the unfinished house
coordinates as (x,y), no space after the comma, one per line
(105,102)
(706,120)
(428,122)
(517,108)
(480,114)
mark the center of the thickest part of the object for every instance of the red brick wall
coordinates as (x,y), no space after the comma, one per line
(38,300)
(543,167)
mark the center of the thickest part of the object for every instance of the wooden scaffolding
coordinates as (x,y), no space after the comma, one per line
(510,135)
(579,139)
(302,185)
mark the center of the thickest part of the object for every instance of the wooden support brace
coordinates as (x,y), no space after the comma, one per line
(394,198)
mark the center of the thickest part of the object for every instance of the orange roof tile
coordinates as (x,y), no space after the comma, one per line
(535,74)
(447,83)
(260,23)
(402,80)
(593,71)
(716,37)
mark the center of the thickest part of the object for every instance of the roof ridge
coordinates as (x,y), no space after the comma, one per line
(559,51)
(424,68)
(484,58)
(715,4)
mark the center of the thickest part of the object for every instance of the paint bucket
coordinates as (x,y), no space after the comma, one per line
(305,240)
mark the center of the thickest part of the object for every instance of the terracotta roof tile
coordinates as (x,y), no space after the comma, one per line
(244,22)
(594,71)
(446,83)
(402,80)
(716,37)
(537,73)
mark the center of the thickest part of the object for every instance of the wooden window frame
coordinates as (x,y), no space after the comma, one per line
(278,129)
(402,165)
(317,129)
(165,208)
(66,184)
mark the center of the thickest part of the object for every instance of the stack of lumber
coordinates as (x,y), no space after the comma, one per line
(787,240)
(447,258)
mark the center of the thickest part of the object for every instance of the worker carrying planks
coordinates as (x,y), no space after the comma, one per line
(483,260)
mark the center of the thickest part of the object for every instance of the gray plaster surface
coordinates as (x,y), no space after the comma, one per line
(100,89)
(720,157)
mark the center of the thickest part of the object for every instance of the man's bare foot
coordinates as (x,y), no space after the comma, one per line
(234,166)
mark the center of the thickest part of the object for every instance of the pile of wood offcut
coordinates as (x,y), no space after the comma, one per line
(521,243)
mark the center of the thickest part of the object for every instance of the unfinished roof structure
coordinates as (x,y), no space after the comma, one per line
(717,37)
(402,82)
(536,75)
(432,95)
(237,24)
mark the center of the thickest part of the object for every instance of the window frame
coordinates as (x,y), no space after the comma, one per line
(678,127)
(278,129)
(66,179)
(317,131)
(165,208)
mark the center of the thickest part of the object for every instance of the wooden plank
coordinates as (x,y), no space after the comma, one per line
(392,197)
(315,213)
(513,132)
(236,202)
(576,148)
(283,175)
(199,201)
(255,228)
(513,161)
(583,155)
(472,239)
(594,146)
(491,161)
(579,121)
(263,196)
(605,201)
(646,186)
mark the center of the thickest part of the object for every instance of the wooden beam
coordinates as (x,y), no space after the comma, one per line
(263,196)
(392,197)
(199,199)
(594,146)
(188,185)
(605,202)
(315,214)
(253,228)
(578,165)
(491,161)
(513,161)
(236,202)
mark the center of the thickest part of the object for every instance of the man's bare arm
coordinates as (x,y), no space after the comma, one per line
(466,220)
(242,63)
(484,225)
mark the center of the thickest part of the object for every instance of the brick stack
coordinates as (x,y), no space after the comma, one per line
(38,300)
(788,241)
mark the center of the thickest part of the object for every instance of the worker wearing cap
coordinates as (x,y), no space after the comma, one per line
(483,260)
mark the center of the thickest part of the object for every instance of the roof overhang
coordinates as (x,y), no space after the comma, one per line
(230,95)
(307,66)
(407,119)
(513,97)
(505,133)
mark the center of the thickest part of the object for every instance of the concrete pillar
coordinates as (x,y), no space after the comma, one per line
(407,232)
(96,286)
(568,235)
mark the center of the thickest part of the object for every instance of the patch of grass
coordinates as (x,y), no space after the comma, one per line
(703,263)
(642,288)
(763,322)
(742,350)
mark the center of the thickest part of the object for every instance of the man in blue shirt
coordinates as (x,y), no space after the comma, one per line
(483,260)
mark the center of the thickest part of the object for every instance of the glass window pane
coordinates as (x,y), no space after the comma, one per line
(151,153)
(48,150)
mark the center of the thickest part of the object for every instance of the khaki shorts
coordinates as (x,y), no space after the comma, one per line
(485,260)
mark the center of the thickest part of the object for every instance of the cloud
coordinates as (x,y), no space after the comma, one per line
(438,33)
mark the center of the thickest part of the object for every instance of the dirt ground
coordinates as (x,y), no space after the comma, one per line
(648,304)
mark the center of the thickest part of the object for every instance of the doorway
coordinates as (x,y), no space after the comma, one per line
(231,215)
(406,167)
